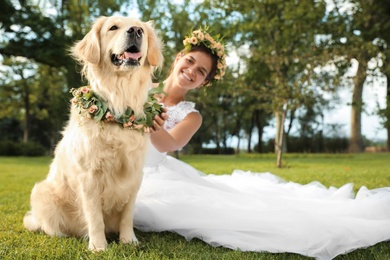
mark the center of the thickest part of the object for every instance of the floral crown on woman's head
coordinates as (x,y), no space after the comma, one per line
(215,45)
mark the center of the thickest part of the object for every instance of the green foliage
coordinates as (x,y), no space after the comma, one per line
(32,149)
(32,98)
(18,176)
(314,144)
(384,114)
(17,83)
(224,150)
(11,148)
(281,38)
(317,144)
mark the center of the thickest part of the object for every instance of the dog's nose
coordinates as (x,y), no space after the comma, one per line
(135,31)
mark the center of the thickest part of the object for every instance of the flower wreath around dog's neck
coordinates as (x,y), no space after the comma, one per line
(89,104)
(214,44)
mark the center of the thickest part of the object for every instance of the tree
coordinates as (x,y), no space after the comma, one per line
(35,95)
(52,105)
(384,113)
(362,38)
(251,100)
(382,25)
(282,34)
(16,95)
(361,48)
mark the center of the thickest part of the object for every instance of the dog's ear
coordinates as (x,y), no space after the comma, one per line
(154,56)
(88,49)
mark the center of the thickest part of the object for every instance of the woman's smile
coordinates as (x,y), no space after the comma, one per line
(187,75)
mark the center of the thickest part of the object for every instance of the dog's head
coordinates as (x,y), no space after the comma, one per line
(121,42)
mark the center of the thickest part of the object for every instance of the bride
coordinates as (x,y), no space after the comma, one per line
(244,211)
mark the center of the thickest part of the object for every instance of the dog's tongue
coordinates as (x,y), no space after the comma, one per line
(134,56)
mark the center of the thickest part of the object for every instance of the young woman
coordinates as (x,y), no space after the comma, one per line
(244,211)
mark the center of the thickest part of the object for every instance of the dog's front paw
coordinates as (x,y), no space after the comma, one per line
(129,239)
(97,246)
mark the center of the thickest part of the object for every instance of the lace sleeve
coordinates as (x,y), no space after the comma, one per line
(178,112)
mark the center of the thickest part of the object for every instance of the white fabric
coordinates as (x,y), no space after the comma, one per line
(178,113)
(259,211)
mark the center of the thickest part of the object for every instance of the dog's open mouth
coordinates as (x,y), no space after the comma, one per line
(131,57)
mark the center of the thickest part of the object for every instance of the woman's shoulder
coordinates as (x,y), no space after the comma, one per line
(184,109)
(186,104)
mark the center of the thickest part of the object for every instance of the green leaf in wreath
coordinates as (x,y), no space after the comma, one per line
(149,120)
(87,104)
(88,95)
(99,115)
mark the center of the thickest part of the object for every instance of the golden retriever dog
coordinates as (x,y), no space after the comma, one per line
(96,172)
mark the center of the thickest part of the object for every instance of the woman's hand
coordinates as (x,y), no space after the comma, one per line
(158,122)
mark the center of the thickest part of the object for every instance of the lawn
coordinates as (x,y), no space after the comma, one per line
(18,175)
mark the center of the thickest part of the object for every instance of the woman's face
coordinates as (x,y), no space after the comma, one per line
(192,69)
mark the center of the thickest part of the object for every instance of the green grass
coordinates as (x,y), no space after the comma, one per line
(18,175)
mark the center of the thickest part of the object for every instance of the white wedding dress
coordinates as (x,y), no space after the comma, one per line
(257,211)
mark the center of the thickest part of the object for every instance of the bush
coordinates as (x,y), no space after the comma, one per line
(32,149)
(317,144)
(11,148)
(227,150)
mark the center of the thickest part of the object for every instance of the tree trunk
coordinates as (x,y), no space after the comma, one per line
(250,133)
(26,127)
(356,140)
(388,109)
(279,142)
(291,121)
(238,144)
(237,132)
(249,147)
(260,130)
(260,137)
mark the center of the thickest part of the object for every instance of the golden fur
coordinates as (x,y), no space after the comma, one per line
(97,169)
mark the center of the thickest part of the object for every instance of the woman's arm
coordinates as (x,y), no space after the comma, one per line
(177,137)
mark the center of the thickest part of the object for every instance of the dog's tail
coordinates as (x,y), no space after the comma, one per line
(44,215)
(30,223)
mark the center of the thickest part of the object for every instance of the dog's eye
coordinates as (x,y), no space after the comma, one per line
(113,28)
